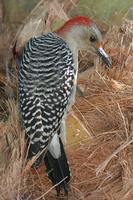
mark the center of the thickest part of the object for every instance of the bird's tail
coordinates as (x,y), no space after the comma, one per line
(58,169)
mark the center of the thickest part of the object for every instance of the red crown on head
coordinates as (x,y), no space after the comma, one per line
(78,20)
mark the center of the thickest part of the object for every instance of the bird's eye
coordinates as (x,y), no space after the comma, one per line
(92,38)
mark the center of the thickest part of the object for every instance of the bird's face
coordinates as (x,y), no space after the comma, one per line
(82,33)
(90,39)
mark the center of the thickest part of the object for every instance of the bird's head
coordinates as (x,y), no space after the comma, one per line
(83,32)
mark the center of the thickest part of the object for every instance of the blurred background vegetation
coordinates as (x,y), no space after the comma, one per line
(107,11)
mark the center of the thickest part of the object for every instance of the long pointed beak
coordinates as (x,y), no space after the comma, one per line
(104,57)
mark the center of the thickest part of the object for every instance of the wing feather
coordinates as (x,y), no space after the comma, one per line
(46,81)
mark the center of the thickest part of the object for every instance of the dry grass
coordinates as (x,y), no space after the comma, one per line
(12,150)
(102,164)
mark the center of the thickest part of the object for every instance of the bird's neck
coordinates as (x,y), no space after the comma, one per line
(72,43)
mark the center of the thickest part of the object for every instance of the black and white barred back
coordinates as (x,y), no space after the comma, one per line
(46,81)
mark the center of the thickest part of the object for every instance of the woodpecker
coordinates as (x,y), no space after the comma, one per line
(47,84)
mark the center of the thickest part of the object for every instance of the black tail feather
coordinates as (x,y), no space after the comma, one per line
(58,170)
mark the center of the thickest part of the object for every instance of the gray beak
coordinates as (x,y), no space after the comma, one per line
(104,57)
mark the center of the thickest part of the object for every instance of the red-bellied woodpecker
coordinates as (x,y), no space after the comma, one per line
(47,84)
